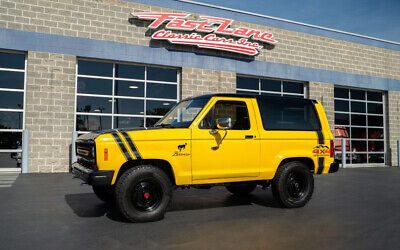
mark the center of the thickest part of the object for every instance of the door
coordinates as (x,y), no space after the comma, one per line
(231,153)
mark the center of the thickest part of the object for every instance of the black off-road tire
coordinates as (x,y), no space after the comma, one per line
(241,188)
(284,187)
(104,193)
(131,190)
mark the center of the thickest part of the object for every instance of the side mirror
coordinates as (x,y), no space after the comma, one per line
(224,123)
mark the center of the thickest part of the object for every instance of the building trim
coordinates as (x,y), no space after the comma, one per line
(90,48)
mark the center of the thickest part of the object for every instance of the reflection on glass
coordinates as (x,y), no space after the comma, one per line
(376,158)
(158,90)
(375,108)
(95,68)
(375,133)
(357,94)
(10,160)
(88,104)
(92,122)
(161,74)
(358,133)
(128,88)
(128,106)
(358,146)
(341,105)
(12,61)
(374,120)
(11,100)
(359,120)
(128,122)
(376,146)
(293,87)
(359,158)
(10,140)
(341,93)
(158,107)
(129,71)
(270,85)
(247,83)
(358,107)
(151,121)
(94,86)
(11,120)
(374,96)
(11,80)
(342,119)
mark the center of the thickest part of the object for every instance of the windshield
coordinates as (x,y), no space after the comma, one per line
(183,114)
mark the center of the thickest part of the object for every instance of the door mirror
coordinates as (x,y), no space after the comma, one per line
(224,123)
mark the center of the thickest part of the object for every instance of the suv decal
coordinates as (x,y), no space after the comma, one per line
(132,145)
(121,145)
(321,150)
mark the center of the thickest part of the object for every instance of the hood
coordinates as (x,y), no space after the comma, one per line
(93,135)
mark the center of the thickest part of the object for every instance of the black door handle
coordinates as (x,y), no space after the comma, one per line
(249,136)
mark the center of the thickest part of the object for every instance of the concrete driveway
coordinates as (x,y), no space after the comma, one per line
(352,209)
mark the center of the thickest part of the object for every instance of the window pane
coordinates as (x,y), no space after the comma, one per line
(235,110)
(129,71)
(158,107)
(11,100)
(358,107)
(162,74)
(359,158)
(95,68)
(246,92)
(93,104)
(10,140)
(11,80)
(94,86)
(125,88)
(342,93)
(358,133)
(357,94)
(376,158)
(151,121)
(342,119)
(359,120)
(12,61)
(293,87)
(10,160)
(374,96)
(341,105)
(92,122)
(342,132)
(158,90)
(358,146)
(375,108)
(374,120)
(11,120)
(271,94)
(128,122)
(270,85)
(375,133)
(247,83)
(376,146)
(128,106)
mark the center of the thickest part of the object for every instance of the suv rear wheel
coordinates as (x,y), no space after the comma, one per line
(104,193)
(293,184)
(241,188)
(143,193)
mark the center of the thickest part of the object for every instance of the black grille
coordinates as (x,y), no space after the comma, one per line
(85,153)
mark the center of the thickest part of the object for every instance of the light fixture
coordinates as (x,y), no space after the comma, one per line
(133,87)
(166,104)
(142,112)
(110,100)
(97,110)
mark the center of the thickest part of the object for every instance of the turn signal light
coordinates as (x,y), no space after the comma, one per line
(106,154)
(332,149)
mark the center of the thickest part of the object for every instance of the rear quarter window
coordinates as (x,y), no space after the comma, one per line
(288,114)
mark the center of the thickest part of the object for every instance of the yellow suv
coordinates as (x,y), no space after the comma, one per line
(239,141)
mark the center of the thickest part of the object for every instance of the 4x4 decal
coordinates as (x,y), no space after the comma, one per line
(321,150)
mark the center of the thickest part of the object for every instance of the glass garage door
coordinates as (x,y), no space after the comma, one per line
(360,119)
(264,86)
(12,85)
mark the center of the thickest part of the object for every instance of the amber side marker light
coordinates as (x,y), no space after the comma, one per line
(106,154)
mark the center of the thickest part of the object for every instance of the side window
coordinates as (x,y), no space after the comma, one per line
(235,110)
(288,114)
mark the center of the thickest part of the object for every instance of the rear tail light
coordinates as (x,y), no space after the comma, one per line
(332,149)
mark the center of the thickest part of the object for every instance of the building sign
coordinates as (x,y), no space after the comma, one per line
(206,32)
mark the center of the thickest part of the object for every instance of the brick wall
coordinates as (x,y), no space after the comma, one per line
(49,113)
(109,20)
(203,81)
(324,92)
(393,125)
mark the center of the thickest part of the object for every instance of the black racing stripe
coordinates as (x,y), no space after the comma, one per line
(321,161)
(321,139)
(132,145)
(122,146)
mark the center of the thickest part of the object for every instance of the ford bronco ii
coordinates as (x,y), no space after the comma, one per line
(239,141)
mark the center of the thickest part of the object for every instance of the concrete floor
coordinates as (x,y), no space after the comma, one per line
(352,209)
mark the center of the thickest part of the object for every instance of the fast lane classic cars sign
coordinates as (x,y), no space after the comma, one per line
(211,29)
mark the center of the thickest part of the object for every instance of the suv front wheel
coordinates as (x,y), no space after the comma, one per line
(143,193)
(293,184)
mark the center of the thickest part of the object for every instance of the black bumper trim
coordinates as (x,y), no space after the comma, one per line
(92,177)
(334,167)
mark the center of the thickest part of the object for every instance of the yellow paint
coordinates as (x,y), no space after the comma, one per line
(194,161)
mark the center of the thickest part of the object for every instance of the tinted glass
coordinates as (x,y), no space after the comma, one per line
(129,71)
(342,93)
(10,160)
(95,68)
(270,85)
(128,122)
(342,132)
(125,88)
(288,114)
(11,120)
(359,158)
(92,122)
(357,94)
(374,120)
(237,111)
(342,119)
(93,104)
(271,94)
(158,90)
(94,86)
(161,74)
(11,80)
(359,120)
(375,108)
(247,92)
(12,61)
(293,87)
(247,83)
(358,133)
(128,106)
(341,105)
(374,96)
(376,158)
(358,146)
(151,121)
(158,107)
(358,107)
(11,100)
(10,140)
(376,146)
(375,133)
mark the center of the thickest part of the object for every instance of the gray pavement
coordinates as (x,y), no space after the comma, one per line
(352,209)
